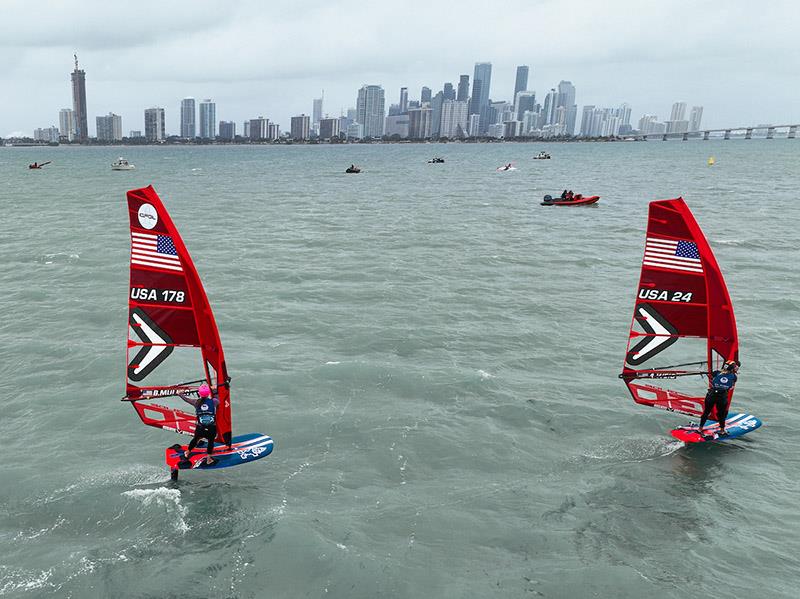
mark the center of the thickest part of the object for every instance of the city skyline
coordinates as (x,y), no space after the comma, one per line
(136,69)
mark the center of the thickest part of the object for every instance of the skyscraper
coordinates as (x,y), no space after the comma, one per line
(419,123)
(566,98)
(463,89)
(695,116)
(227,130)
(66,123)
(259,129)
(425,95)
(436,113)
(454,119)
(403,100)
(549,108)
(678,111)
(521,84)
(79,103)
(524,101)
(328,128)
(208,119)
(188,130)
(448,93)
(371,110)
(109,128)
(300,127)
(154,124)
(316,112)
(481,84)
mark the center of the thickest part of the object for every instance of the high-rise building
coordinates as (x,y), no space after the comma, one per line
(109,127)
(463,88)
(549,108)
(403,100)
(678,111)
(481,84)
(329,128)
(259,129)
(586,120)
(79,103)
(355,130)
(273,131)
(188,129)
(371,110)
(419,123)
(227,130)
(66,123)
(300,127)
(425,95)
(436,114)
(397,125)
(208,119)
(154,129)
(521,83)
(316,112)
(649,124)
(246,129)
(135,133)
(454,119)
(524,101)
(566,98)
(695,116)
(448,93)
(474,127)
(48,134)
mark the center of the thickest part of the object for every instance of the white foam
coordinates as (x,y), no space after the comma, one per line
(170,499)
(485,375)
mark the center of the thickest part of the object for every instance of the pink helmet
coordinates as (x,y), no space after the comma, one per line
(204,390)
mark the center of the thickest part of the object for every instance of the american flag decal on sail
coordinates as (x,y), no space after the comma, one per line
(155,251)
(672,254)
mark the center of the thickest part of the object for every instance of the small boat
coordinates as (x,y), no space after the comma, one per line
(711,161)
(37,165)
(121,164)
(352,169)
(507,167)
(542,156)
(577,200)
(436,161)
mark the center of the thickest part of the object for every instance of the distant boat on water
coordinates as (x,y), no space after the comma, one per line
(121,164)
(711,161)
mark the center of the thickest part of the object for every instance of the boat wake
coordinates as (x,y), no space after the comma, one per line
(168,499)
(633,450)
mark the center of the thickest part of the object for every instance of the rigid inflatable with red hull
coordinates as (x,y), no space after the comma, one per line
(683,328)
(578,200)
(172,334)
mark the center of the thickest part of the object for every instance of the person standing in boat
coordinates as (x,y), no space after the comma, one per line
(205,408)
(722,381)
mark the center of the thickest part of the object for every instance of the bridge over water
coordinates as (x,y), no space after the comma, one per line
(790,131)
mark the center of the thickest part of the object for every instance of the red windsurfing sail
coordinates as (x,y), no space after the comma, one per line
(172,334)
(683,326)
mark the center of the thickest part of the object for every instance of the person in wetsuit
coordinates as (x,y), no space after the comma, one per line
(564,195)
(722,381)
(205,408)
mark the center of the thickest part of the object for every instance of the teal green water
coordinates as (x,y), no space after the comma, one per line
(436,357)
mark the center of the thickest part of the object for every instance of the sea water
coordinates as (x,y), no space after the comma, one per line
(436,357)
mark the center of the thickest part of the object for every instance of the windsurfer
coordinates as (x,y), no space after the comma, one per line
(206,427)
(721,384)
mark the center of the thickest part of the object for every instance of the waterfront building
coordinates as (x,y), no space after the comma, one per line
(678,111)
(419,122)
(329,128)
(352,115)
(481,84)
(624,114)
(135,134)
(425,96)
(521,82)
(208,119)
(436,114)
(316,112)
(403,100)
(497,130)
(454,119)
(66,123)
(679,126)
(394,109)
(695,116)
(188,129)
(512,129)
(48,134)
(227,130)
(154,128)
(566,98)
(81,120)
(273,131)
(109,127)
(463,89)
(300,127)
(524,101)
(448,93)
(246,129)
(550,105)
(397,125)
(371,110)
(355,130)
(474,126)
(259,129)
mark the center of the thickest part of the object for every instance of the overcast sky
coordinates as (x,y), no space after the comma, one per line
(738,59)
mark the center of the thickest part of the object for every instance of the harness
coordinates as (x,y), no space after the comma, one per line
(206,412)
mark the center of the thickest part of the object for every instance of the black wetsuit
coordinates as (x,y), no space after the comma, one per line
(206,427)
(717,397)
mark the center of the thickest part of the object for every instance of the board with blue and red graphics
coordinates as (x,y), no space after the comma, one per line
(736,425)
(243,449)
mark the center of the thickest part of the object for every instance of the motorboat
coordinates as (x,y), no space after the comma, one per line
(577,200)
(542,156)
(121,164)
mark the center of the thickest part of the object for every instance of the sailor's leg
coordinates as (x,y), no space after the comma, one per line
(722,410)
(707,406)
